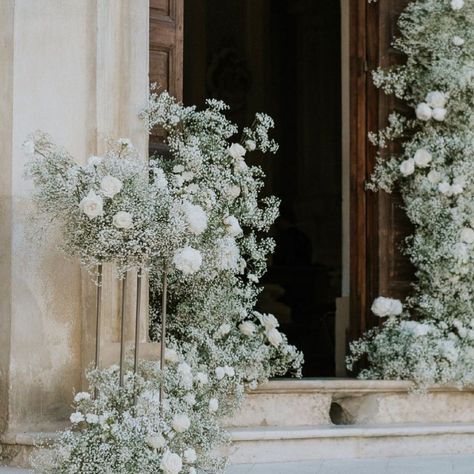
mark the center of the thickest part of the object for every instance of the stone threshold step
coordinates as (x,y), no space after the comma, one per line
(288,444)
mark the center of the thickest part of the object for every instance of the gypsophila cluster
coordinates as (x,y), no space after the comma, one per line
(208,226)
(432,340)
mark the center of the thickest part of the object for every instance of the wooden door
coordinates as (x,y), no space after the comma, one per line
(166,51)
(378,224)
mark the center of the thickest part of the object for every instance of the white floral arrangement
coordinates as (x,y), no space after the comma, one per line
(430,340)
(207,226)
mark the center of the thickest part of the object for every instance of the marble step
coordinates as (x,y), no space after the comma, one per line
(304,443)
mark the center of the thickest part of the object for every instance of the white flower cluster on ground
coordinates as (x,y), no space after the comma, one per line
(207,226)
(432,340)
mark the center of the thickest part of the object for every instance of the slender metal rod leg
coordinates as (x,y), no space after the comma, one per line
(164,300)
(98,313)
(122,331)
(137,320)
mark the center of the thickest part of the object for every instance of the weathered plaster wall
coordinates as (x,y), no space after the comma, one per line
(77,70)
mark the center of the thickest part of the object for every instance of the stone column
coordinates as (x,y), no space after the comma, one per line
(78,71)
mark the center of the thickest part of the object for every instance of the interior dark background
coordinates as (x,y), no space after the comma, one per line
(283,57)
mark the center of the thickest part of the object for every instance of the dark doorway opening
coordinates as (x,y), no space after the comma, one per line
(283,57)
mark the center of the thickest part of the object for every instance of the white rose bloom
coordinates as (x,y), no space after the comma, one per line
(171,356)
(236,151)
(227,254)
(439,114)
(457,4)
(190,455)
(240,166)
(457,41)
(82,396)
(229,371)
(190,399)
(423,111)
(94,160)
(123,220)
(422,158)
(125,142)
(181,422)
(407,167)
(233,191)
(171,463)
(92,205)
(250,145)
(232,226)
(92,418)
(187,175)
(110,186)
(220,373)
(444,187)
(436,99)
(247,328)
(192,470)
(269,321)
(76,417)
(222,330)
(201,378)
(187,260)
(195,217)
(28,147)
(434,177)
(213,405)
(274,337)
(467,235)
(155,441)
(383,307)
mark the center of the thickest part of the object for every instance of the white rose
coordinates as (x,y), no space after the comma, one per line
(274,337)
(236,151)
(195,217)
(92,205)
(232,226)
(155,441)
(94,160)
(222,330)
(436,99)
(422,158)
(123,220)
(423,111)
(444,187)
(407,167)
(439,114)
(467,235)
(457,4)
(434,177)
(187,175)
(386,307)
(233,191)
(187,260)
(76,417)
(171,463)
(247,328)
(213,405)
(269,321)
(230,372)
(190,399)
(240,166)
(181,422)
(192,470)
(82,396)
(250,145)
(92,418)
(28,147)
(457,41)
(171,356)
(190,455)
(220,373)
(110,186)
(202,378)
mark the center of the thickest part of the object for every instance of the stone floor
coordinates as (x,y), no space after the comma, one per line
(404,465)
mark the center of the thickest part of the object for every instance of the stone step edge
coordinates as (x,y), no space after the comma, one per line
(276,433)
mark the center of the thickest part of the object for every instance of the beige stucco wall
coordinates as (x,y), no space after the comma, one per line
(77,70)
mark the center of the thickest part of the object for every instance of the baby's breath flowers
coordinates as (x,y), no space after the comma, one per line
(431,339)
